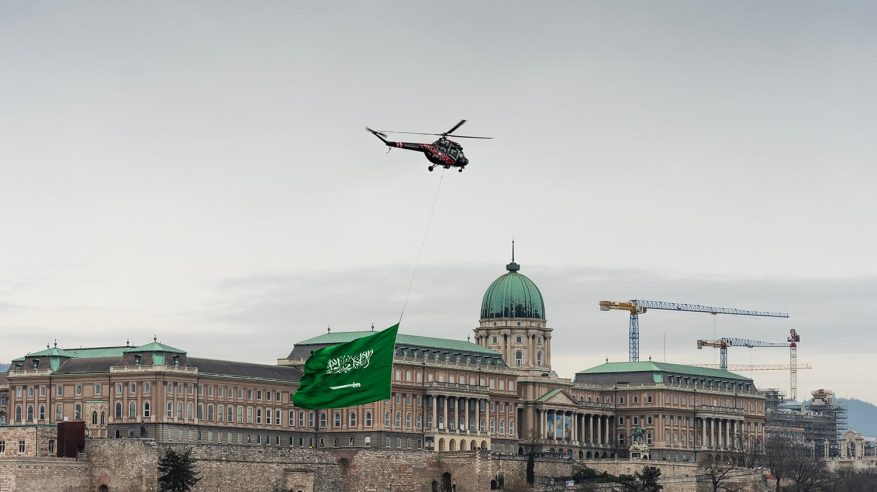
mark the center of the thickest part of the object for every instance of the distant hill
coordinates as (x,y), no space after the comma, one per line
(3,367)
(861,415)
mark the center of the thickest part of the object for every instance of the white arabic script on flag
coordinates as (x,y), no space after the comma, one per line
(347,363)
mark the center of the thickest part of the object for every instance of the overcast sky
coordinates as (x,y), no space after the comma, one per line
(200,171)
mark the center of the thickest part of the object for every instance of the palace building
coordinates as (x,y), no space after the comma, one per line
(498,393)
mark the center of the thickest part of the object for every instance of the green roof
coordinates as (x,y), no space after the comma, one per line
(663,367)
(155,347)
(52,352)
(92,352)
(513,296)
(401,339)
(96,352)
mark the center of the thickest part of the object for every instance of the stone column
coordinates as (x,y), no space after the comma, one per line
(712,436)
(575,427)
(466,415)
(546,357)
(599,429)
(434,413)
(478,415)
(703,435)
(591,430)
(445,413)
(540,424)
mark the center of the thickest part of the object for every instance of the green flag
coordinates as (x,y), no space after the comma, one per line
(348,374)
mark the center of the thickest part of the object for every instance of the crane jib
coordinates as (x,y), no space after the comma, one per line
(697,308)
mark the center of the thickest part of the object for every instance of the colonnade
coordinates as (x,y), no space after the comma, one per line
(459,414)
(584,429)
(721,433)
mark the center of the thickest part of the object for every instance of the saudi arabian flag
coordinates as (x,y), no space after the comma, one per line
(349,374)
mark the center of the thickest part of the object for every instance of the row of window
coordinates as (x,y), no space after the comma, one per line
(518,339)
(146,387)
(41,416)
(22,446)
(709,383)
(452,378)
(97,389)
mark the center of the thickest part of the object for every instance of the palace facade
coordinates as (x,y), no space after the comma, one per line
(498,393)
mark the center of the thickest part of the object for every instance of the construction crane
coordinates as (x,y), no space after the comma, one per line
(758,367)
(723,343)
(792,342)
(636,307)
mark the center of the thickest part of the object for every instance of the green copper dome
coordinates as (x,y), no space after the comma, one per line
(513,296)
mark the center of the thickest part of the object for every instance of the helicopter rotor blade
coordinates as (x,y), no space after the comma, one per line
(458,125)
(469,136)
(411,133)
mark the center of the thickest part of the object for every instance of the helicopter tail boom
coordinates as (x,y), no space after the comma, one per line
(380,135)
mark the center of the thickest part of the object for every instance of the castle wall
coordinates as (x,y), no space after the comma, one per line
(132,465)
(57,474)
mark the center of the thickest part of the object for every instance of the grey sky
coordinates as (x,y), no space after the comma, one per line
(201,171)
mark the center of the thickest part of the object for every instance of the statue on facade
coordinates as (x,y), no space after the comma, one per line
(638,448)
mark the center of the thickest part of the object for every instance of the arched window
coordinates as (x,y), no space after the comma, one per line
(368,418)
(30,413)
(42,412)
(77,411)
(336,419)
(386,419)
(146,409)
(179,409)
(539,358)
(323,419)
(351,418)
(229,414)
(93,418)
(103,418)
(132,409)
(18,413)
(190,410)
(519,358)
(118,409)
(170,409)
(398,421)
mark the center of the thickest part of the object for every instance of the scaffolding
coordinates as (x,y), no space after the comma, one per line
(818,422)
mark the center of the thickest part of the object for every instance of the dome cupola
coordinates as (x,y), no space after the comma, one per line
(513,295)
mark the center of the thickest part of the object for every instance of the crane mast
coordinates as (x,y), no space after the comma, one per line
(638,306)
(792,342)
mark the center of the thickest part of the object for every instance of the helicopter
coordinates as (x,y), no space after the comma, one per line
(443,152)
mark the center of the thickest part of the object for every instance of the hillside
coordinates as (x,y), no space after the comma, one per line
(862,416)
(3,367)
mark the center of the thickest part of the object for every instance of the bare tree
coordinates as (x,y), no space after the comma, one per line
(807,470)
(719,469)
(778,457)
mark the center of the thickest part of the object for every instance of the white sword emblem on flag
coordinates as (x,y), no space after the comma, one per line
(351,385)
